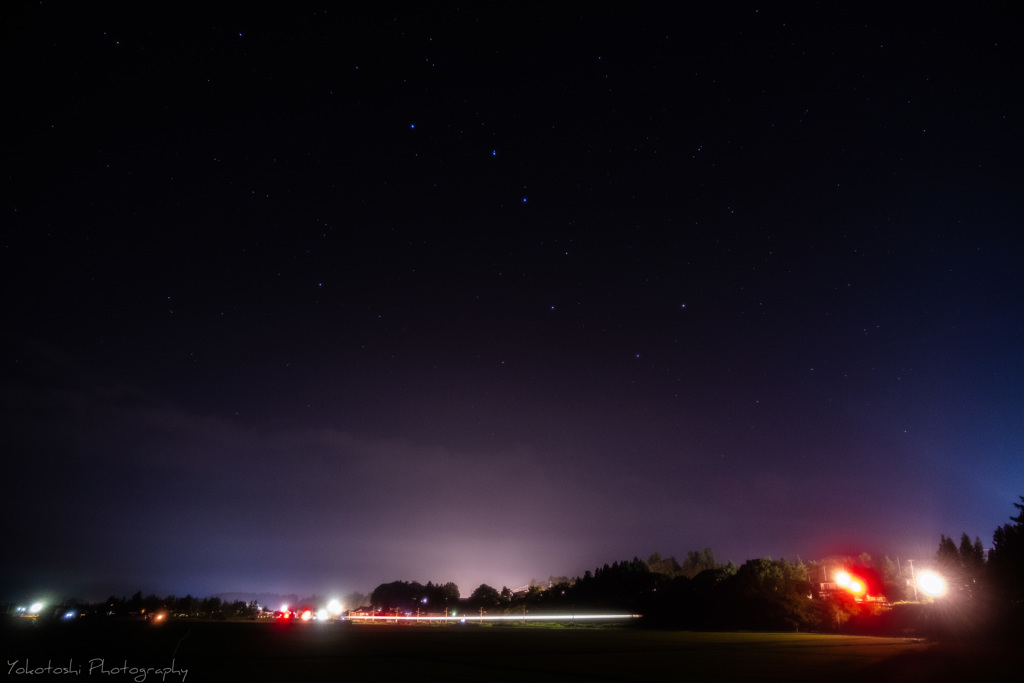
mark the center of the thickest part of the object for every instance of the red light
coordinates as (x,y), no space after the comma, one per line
(851,583)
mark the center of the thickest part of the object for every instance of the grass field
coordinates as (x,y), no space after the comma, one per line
(256,651)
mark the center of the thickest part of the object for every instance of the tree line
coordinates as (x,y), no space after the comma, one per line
(985,594)
(188,606)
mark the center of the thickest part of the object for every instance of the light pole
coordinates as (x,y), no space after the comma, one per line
(913,579)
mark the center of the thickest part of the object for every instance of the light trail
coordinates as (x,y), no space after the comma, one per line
(499,617)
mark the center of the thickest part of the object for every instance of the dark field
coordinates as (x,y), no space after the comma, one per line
(251,651)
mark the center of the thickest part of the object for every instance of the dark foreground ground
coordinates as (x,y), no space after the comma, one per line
(118,651)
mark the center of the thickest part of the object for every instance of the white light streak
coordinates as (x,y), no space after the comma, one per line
(498,617)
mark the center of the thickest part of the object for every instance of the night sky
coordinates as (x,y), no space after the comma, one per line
(312,300)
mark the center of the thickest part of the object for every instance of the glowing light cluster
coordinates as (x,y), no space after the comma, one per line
(931,584)
(850,583)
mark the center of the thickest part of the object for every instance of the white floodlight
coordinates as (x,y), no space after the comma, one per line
(931,584)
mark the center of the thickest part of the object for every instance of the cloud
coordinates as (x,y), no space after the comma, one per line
(146,488)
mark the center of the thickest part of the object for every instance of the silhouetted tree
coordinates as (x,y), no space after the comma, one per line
(114,605)
(972,555)
(409,596)
(1006,569)
(946,557)
(211,606)
(837,609)
(772,594)
(151,603)
(450,593)
(893,586)
(484,597)
(963,567)
(354,600)
(667,566)
(400,595)
(698,561)
(623,585)
(188,605)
